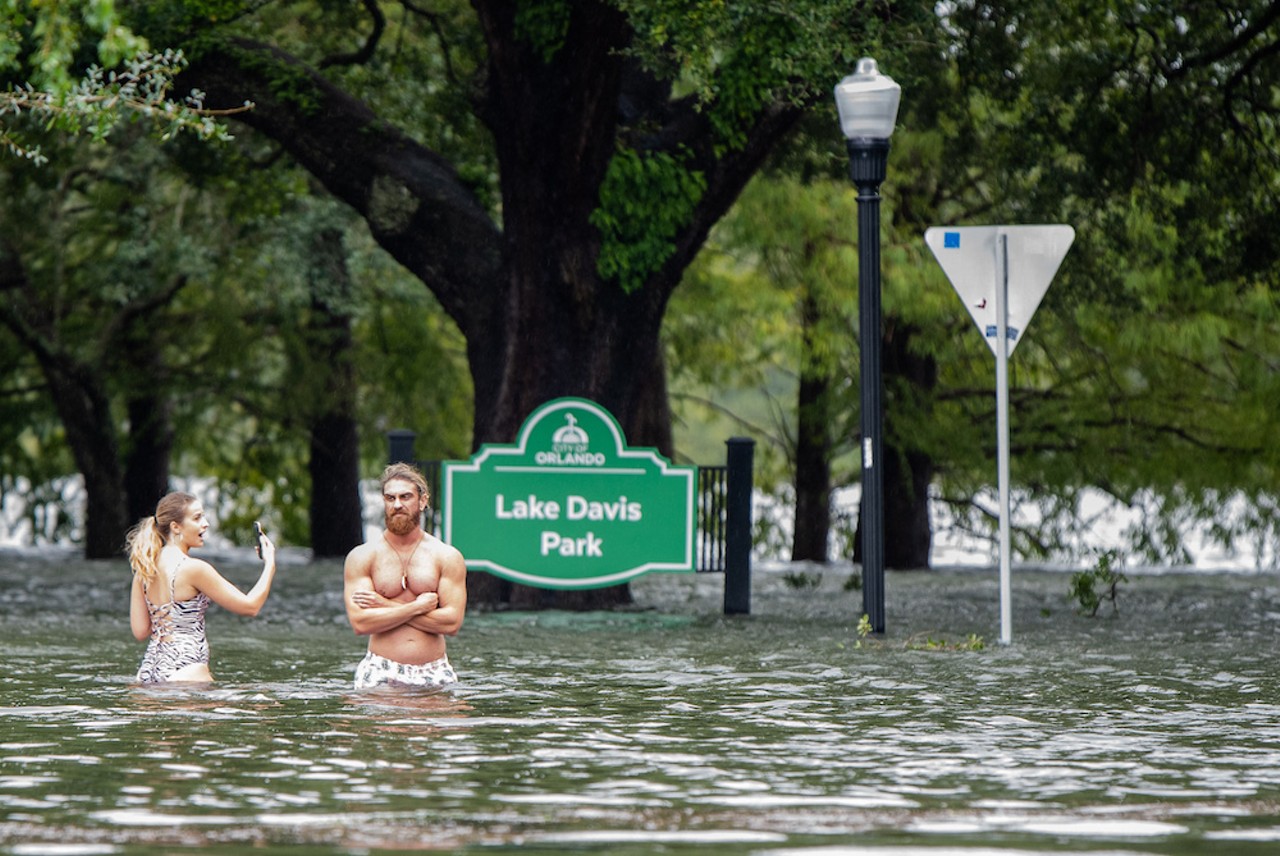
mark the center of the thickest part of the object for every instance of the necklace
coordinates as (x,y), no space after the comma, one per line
(404,563)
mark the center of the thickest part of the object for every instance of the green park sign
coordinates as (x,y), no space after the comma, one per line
(568,505)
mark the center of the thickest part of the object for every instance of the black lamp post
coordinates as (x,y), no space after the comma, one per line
(868,105)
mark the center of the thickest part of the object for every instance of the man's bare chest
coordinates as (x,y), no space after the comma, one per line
(398,579)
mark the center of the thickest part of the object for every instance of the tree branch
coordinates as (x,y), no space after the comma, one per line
(416,205)
(1270,15)
(135,309)
(365,52)
(437,25)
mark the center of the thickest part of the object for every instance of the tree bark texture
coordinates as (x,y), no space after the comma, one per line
(908,471)
(336,507)
(149,449)
(148,403)
(812,525)
(84,408)
(334,462)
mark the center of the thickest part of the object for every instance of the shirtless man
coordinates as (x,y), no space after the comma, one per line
(406,591)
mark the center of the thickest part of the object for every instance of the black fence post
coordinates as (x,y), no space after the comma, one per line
(400,446)
(737,561)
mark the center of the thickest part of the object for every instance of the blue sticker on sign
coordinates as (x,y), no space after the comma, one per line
(1009,332)
(951,240)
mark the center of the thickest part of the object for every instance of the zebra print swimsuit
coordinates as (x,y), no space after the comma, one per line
(177,635)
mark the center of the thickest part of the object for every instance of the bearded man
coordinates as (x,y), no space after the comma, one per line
(406,591)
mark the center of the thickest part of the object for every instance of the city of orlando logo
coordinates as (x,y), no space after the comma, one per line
(570,446)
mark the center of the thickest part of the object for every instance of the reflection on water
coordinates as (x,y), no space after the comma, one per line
(666,729)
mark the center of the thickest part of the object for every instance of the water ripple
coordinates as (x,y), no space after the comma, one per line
(654,732)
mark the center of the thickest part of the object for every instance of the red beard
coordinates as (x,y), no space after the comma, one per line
(401,523)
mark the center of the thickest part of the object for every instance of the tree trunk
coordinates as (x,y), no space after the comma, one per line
(908,533)
(334,463)
(149,442)
(908,472)
(150,448)
(336,508)
(813,451)
(85,413)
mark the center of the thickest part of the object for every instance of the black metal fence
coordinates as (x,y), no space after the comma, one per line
(710,504)
(723,508)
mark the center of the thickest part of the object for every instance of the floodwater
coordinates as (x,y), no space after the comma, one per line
(666,729)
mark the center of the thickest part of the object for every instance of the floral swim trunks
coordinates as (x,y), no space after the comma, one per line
(375,671)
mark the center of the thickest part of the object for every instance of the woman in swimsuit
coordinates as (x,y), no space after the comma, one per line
(172,591)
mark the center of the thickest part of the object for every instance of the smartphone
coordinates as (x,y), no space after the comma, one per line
(257,538)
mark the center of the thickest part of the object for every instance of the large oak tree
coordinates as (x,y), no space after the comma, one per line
(619,132)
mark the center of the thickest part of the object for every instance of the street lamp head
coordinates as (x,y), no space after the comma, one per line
(868,103)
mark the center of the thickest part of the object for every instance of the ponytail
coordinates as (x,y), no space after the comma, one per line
(143,546)
(146,539)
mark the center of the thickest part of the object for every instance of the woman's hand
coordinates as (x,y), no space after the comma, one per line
(268,550)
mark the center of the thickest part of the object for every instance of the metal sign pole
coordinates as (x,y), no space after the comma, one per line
(1002,430)
(977,259)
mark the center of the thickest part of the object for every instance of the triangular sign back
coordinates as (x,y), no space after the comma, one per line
(967,255)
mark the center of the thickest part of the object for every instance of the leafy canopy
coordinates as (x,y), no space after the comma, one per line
(47,81)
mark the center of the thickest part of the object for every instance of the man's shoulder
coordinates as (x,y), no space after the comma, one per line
(443,550)
(366,547)
(362,553)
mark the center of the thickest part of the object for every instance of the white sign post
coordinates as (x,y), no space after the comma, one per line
(1001,273)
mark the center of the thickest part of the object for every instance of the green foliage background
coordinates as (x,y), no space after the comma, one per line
(1149,372)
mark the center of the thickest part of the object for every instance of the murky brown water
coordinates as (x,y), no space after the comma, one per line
(669,729)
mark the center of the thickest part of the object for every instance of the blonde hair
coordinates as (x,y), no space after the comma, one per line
(145,540)
(409,473)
